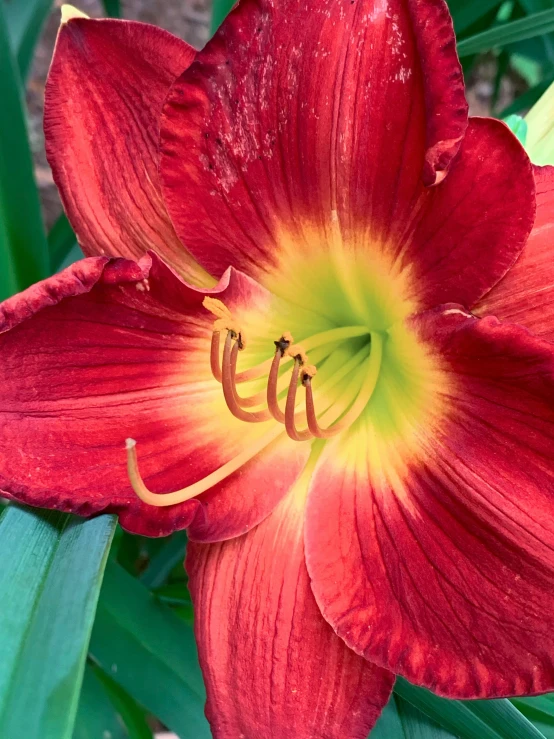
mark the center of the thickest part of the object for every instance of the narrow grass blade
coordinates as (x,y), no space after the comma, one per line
(52,566)
(150,652)
(507,33)
(23,247)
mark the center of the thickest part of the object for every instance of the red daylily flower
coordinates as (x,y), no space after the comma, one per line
(391,514)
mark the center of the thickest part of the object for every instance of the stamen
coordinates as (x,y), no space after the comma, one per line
(359,404)
(214,356)
(271,395)
(290,423)
(216,307)
(313,342)
(230,354)
(251,401)
(191,491)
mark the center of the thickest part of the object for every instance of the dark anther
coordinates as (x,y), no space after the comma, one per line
(306,379)
(282,345)
(240,342)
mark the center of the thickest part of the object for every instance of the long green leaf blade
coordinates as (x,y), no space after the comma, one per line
(112,8)
(97,717)
(508,33)
(23,247)
(469,11)
(61,240)
(132,715)
(220,10)
(172,552)
(469,719)
(401,720)
(50,581)
(150,652)
(25,19)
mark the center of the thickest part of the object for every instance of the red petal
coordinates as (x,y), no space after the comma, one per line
(107,350)
(281,120)
(437,562)
(472,228)
(104,95)
(526,294)
(272,666)
(445,102)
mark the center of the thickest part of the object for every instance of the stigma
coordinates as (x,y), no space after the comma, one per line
(287,403)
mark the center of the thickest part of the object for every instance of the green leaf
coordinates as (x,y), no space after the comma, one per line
(540,711)
(23,247)
(470,719)
(389,724)
(96,716)
(220,10)
(466,13)
(25,19)
(536,6)
(150,652)
(52,566)
(61,240)
(172,553)
(507,33)
(504,717)
(112,8)
(175,594)
(133,716)
(401,720)
(517,126)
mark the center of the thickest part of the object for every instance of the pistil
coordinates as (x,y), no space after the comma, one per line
(197,488)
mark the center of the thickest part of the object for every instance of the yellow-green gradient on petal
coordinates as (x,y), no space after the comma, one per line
(344,278)
(338,298)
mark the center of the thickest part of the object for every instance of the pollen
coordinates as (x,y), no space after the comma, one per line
(225,320)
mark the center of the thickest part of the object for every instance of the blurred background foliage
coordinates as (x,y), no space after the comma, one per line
(96,637)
